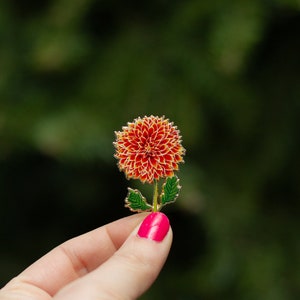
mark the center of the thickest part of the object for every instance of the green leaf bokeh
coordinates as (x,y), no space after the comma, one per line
(227,74)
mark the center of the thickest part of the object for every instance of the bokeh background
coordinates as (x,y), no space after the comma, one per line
(226,72)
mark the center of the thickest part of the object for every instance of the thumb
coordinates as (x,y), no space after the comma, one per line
(132,269)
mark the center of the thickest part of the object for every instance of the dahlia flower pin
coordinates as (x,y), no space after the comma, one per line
(149,149)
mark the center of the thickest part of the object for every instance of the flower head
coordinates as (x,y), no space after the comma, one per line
(149,149)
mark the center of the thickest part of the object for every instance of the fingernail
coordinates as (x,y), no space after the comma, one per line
(154,227)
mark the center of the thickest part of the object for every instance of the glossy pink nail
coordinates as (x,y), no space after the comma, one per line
(155,227)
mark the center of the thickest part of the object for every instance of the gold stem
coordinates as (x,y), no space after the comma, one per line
(155,194)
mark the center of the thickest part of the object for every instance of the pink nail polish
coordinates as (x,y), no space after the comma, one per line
(155,227)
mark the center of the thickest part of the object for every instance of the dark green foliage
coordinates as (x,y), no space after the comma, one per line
(227,74)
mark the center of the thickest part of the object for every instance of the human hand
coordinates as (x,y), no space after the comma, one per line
(119,260)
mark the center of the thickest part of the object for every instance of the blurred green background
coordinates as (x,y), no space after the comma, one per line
(226,72)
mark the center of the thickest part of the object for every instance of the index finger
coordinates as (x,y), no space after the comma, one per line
(77,256)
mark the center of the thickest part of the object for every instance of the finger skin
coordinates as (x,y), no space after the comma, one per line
(102,264)
(126,275)
(70,261)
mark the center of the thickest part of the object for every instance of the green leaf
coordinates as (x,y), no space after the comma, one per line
(170,190)
(136,202)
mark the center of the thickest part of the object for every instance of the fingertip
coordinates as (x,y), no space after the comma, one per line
(134,266)
(154,227)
